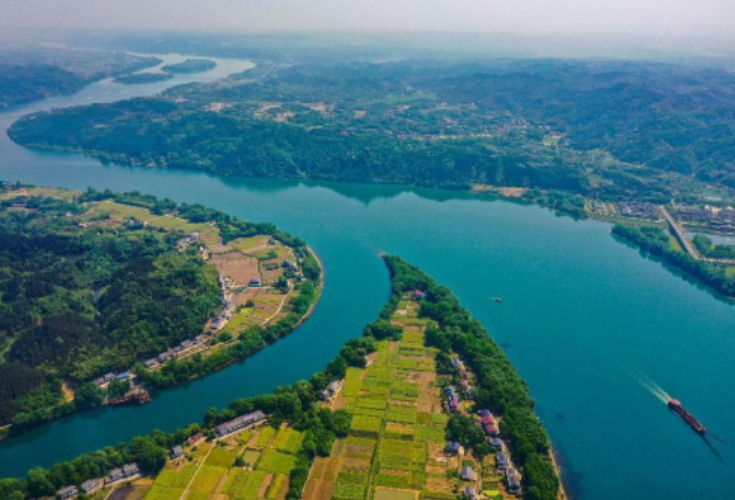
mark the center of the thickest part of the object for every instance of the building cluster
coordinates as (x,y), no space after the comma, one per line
(173,352)
(724,220)
(489,425)
(332,390)
(455,396)
(184,243)
(639,210)
(292,270)
(239,423)
(229,309)
(91,486)
(718,219)
(693,213)
(105,380)
(124,473)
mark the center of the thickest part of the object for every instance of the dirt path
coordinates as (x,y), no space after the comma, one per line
(193,478)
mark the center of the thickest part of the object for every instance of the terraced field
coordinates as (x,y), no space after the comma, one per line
(395,450)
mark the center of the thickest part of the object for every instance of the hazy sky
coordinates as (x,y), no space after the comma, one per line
(661,17)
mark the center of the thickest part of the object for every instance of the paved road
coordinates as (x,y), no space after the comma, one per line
(679,232)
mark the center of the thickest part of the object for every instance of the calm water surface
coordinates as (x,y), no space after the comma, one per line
(585,319)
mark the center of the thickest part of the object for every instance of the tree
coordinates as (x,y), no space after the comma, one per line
(382,329)
(39,483)
(89,395)
(149,454)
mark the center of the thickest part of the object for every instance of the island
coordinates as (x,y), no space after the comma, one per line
(190,66)
(424,404)
(139,78)
(105,296)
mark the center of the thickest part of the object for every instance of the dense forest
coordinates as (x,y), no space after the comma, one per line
(24,84)
(190,66)
(600,129)
(30,73)
(500,389)
(78,299)
(139,78)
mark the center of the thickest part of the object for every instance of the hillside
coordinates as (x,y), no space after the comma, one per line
(94,284)
(599,129)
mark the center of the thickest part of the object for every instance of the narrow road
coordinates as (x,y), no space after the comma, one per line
(188,486)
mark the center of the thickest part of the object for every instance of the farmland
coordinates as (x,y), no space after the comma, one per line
(395,449)
(248,466)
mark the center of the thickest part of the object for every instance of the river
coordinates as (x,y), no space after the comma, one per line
(585,319)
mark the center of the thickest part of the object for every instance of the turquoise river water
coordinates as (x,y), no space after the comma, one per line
(586,320)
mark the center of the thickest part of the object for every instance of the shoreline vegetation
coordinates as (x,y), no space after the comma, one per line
(657,242)
(190,66)
(272,287)
(306,428)
(140,78)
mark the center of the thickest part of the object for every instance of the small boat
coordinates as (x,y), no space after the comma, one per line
(499,300)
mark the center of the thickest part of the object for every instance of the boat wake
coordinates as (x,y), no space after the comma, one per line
(653,388)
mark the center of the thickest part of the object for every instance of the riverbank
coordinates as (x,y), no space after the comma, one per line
(406,350)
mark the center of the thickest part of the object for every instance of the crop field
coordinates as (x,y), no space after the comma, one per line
(395,449)
(208,472)
(120,211)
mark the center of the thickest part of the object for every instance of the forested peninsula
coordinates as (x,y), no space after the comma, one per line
(558,131)
(104,296)
(381,399)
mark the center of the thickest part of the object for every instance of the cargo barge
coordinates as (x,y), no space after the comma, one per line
(675,406)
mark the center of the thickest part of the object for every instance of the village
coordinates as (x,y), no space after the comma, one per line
(397,448)
(256,277)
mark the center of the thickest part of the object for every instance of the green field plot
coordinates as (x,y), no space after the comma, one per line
(288,440)
(394,430)
(129,212)
(366,426)
(412,340)
(208,478)
(197,495)
(430,434)
(221,457)
(276,484)
(247,244)
(393,481)
(388,494)
(366,412)
(176,478)
(350,486)
(379,402)
(244,485)
(416,364)
(437,495)
(266,434)
(401,414)
(357,447)
(277,462)
(404,391)
(353,382)
(160,492)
